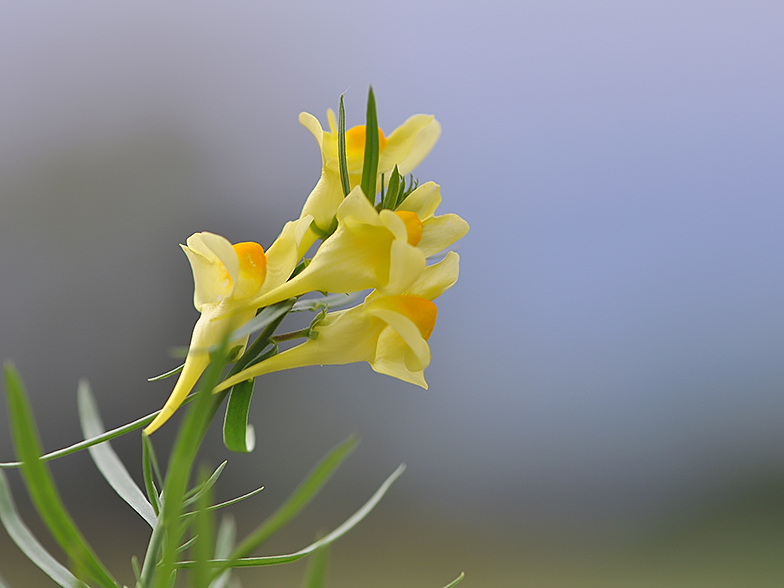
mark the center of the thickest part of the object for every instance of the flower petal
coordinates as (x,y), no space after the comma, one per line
(437,278)
(423,201)
(439,232)
(215,267)
(406,263)
(311,123)
(283,254)
(409,144)
(391,359)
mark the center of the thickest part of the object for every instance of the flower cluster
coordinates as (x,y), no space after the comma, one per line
(382,244)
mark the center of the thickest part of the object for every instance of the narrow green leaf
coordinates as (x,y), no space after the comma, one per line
(137,571)
(316,572)
(328,301)
(390,200)
(27,542)
(189,438)
(303,494)
(187,544)
(119,431)
(41,486)
(204,487)
(238,435)
(149,463)
(230,502)
(266,317)
(342,160)
(405,192)
(204,532)
(350,523)
(168,374)
(257,348)
(456,581)
(106,459)
(370,164)
(227,535)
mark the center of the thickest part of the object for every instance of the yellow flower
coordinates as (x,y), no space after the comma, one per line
(225,278)
(388,332)
(437,232)
(369,249)
(405,147)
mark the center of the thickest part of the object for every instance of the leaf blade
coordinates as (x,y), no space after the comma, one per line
(300,498)
(370,164)
(41,487)
(106,459)
(345,183)
(238,436)
(338,532)
(27,542)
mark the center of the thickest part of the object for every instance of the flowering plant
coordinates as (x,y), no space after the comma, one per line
(377,233)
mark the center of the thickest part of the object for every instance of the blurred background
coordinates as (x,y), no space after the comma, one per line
(605,400)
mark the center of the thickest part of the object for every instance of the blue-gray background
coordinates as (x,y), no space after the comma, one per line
(606,388)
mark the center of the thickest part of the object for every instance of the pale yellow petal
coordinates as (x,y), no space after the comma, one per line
(283,254)
(195,364)
(423,201)
(423,144)
(394,223)
(325,198)
(390,359)
(406,263)
(212,260)
(333,125)
(440,232)
(311,123)
(409,332)
(356,209)
(437,278)
(408,144)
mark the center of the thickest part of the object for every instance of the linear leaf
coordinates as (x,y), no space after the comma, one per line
(106,459)
(224,543)
(370,164)
(342,160)
(238,435)
(158,571)
(41,486)
(119,431)
(27,542)
(204,532)
(149,463)
(328,301)
(264,318)
(205,486)
(168,374)
(456,581)
(303,494)
(316,572)
(348,524)
(390,199)
(229,502)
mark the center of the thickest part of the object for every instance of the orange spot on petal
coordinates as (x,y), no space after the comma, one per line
(413,226)
(420,311)
(253,269)
(355,142)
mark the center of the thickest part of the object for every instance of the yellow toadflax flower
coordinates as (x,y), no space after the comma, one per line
(405,147)
(388,332)
(437,232)
(225,278)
